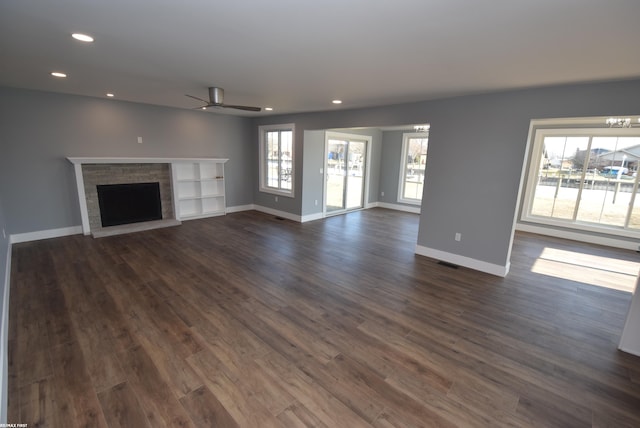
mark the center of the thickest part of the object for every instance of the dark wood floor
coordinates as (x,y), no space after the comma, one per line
(250,321)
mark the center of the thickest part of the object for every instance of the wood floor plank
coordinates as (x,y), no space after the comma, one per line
(36,404)
(121,407)
(206,410)
(245,409)
(482,395)
(175,370)
(155,396)
(326,407)
(245,320)
(13,387)
(76,402)
(298,415)
(100,359)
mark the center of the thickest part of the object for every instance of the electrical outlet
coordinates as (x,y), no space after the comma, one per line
(276,199)
(316,202)
(381,193)
(139,140)
(458,236)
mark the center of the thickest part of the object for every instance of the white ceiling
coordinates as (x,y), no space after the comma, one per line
(298,55)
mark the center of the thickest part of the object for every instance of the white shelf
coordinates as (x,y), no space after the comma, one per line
(199,188)
(189,198)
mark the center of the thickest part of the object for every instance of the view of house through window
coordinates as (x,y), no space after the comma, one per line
(414,161)
(276,163)
(586,179)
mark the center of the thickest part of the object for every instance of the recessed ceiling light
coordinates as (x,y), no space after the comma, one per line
(204,108)
(82,37)
(268,108)
(337,101)
(58,74)
(110,95)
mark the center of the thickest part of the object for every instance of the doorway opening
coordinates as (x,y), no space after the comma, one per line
(346,169)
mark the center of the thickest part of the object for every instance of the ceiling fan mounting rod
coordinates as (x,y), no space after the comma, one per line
(216,95)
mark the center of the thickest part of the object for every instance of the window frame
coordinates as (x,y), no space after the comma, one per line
(263,169)
(533,166)
(406,138)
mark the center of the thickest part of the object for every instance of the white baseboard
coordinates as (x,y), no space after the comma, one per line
(312,217)
(631,351)
(398,207)
(267,210)
(315,216)
(240,208)
(581,237)
(4,340)
(278,213)
(16,238)
(470,263)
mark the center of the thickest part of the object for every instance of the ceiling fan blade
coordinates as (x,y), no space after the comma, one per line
(196,98)
(216,96)
(247,108)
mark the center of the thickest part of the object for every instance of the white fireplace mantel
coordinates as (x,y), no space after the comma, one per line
(79,161)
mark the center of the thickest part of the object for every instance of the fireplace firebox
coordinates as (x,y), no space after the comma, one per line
(129,203)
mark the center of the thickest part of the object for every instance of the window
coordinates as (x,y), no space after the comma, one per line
(585,179)
(414,161)
(276,159)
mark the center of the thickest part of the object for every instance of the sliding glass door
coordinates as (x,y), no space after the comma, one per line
(345,172)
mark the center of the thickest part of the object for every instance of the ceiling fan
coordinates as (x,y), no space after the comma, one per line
(216,99)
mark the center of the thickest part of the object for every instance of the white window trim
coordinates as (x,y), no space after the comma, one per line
(403,166)
(290,193)
(532,177)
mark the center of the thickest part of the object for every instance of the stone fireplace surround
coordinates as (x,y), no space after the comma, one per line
(109,173)
(93,171)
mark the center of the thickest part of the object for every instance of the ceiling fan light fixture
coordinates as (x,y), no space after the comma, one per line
(82,37)
(268,109)
(337,101)
(110,95)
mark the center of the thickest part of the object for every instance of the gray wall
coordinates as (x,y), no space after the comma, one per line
(38,130)
(312,179)
(390,168)
(477,146)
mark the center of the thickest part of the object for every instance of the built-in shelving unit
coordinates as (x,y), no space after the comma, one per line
(199,189)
